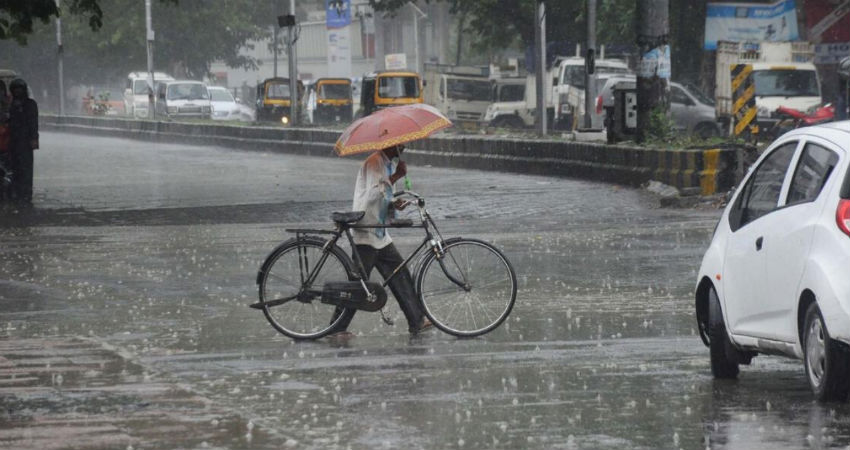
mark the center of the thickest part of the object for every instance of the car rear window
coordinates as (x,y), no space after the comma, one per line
(845,189)
(760,195)
(812,172)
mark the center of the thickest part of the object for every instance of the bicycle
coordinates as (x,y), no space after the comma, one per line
(471,293)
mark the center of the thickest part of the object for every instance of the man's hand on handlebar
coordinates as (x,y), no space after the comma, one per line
(400,204)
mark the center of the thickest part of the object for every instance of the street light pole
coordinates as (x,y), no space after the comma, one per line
(149,35)
(293,70)
(274,36)
(589,65)
(540,51)
(417,14)
(60,53)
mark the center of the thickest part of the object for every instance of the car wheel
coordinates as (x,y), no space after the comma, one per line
(724,358)
(826,361)
(707,130)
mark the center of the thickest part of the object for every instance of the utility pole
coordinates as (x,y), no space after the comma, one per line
(150,38)
(540,67)
(59,54)
(653,69)
(590,65)
(293,70)
(417,14)
(274,50)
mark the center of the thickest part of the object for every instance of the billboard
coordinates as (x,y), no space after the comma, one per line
(337,13)
(750,22)
(337,21)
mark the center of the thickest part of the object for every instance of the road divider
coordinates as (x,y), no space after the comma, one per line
(697,171)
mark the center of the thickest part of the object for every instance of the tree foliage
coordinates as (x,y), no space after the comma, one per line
(18,16)
(499,24)
(189,35)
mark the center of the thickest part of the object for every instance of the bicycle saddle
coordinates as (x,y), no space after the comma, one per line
(347,217)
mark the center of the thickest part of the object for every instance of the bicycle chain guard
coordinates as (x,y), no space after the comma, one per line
(350,294)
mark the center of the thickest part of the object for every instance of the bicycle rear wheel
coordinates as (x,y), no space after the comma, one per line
(282,277)
(484,297)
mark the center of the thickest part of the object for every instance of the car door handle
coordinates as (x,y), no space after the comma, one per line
(759,243)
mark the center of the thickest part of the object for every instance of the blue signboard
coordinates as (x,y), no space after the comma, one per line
(750,22)
(337,13)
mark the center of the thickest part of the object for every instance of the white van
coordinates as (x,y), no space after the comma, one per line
(569,86)
(136,92)
(183,99)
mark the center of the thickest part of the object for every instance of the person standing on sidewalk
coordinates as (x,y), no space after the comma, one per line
(23,139)
(373,193)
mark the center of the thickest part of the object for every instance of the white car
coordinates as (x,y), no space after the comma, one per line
(225,107)
(136,92)
(776,277)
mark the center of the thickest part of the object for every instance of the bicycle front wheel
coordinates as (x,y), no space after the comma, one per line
(470,290)
(295,309)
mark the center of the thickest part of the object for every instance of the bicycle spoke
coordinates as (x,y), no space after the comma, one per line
(278,277)
(301,319)
(478,310)
(437,292)
(490,283)
(279,301)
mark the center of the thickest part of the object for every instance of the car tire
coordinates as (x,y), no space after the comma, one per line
(827,362)
(724,358)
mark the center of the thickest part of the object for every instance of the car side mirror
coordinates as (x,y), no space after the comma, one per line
(128,92)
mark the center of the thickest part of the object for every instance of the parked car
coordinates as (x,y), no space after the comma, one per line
(136,92)
(184,99)
(692,111)
(225,107)
(774,279)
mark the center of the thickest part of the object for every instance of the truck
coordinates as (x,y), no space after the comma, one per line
(569,87)
(462,93)
(783,75)
(514,102)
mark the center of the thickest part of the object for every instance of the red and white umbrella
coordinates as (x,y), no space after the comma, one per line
(390,127)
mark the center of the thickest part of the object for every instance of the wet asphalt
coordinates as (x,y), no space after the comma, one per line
(124,319)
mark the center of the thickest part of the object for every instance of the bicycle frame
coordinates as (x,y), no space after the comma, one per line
(426,223)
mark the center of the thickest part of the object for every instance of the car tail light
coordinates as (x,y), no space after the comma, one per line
(599,105)
(842,216)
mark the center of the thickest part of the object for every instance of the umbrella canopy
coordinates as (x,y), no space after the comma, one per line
(390,127)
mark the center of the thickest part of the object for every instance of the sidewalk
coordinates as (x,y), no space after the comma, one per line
(68,392)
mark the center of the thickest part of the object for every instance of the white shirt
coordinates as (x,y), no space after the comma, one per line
(373,194)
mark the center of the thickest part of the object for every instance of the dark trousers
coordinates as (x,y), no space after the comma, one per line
(22,175)
(6,163)
(386,260)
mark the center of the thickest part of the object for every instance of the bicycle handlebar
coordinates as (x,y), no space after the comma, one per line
(410,193)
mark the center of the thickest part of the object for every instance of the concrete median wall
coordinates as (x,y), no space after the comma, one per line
(698,171)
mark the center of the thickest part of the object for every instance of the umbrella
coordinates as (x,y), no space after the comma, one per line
(390,127)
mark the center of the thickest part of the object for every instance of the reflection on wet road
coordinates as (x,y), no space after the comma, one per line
(130,283)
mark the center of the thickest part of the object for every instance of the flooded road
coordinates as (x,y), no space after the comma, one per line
(124,319)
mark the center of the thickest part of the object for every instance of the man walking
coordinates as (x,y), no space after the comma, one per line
(373,194)
(23,139)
